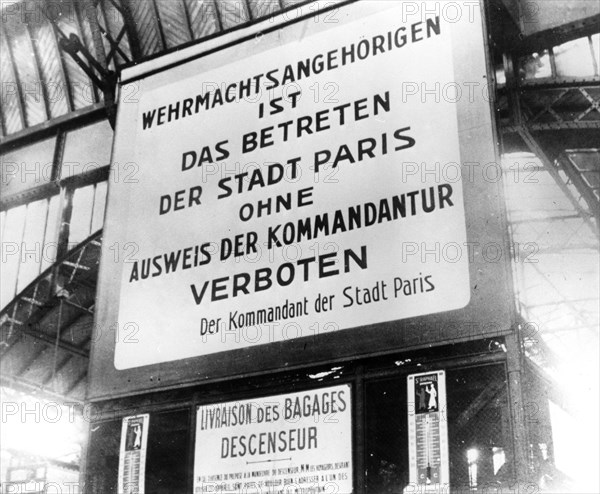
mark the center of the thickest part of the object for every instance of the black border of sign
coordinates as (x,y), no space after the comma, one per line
(390,337)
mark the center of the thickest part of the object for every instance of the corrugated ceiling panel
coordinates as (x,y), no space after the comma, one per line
(18,357)
(264,8)
(173,20)
(87,41)
(11,114)
(38,369)
(78,392)
(69,376)
(203,17)
(291,3)
(23,57)
(61,361)
(50,69)
(233,13)
(81,87)
(103,26)
(112,20)
(78,332)
(146,26)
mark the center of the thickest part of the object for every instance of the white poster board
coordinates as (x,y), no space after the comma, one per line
(297,442)
(294,191)
(132,455)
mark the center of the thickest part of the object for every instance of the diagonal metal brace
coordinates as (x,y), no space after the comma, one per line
(94,67)
(103,78)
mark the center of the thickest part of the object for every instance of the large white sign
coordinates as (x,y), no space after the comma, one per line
(286,193)
(298,442)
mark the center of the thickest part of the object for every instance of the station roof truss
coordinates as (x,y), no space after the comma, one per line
(62,68)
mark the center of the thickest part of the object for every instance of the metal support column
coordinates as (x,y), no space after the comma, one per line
(91,14)
(517,409)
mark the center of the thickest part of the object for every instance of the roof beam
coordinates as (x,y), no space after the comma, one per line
(26,364)
(50,341)
(36,64)
(479,403)
(76,383)
(37,390)
(63,68)
(549,38)
(89,114)
(537,149)
(15,74)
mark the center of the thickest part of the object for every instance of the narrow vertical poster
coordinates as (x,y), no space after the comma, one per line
(132,457)
(428,430)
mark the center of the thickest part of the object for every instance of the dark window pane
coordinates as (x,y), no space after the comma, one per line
(102,466)
(479,428)
(167,458)
(478,431)
(386,436)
